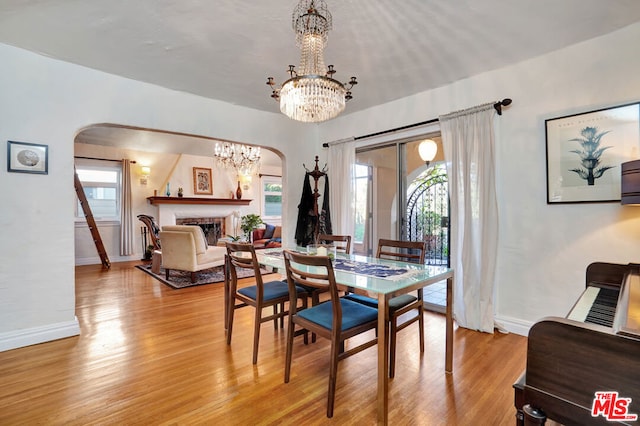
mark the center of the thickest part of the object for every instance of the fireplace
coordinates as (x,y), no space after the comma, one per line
(213,227)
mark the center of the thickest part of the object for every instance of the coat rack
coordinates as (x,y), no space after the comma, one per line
(316,174)
(311,218)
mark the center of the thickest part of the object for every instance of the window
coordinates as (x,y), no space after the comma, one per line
(102,186)
(271,197)
(362,178)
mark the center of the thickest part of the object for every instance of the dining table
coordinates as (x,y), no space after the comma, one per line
(383,280)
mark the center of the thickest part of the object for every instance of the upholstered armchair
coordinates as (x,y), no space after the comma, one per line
(185,248)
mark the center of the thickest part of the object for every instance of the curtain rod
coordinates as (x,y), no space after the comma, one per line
(498,106)
(264,174)
(101,159)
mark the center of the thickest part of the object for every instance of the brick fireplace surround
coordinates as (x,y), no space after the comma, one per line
(214,227)
(214,215)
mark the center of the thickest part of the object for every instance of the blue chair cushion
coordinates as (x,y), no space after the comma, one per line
(272,290)
(394,304)
(353,314)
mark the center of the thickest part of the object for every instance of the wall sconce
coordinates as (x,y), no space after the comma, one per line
(245,180)
(145,172)
(427,150)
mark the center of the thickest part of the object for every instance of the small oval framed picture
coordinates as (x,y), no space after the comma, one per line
(25,157)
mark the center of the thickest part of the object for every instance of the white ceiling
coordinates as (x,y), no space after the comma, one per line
(226,49)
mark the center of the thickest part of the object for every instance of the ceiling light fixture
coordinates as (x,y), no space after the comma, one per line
(312,95)
(243,158)
(427,150)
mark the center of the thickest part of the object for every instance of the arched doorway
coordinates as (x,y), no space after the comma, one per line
(171,158)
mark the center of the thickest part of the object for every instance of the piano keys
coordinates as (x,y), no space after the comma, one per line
(596,348)
(596,306)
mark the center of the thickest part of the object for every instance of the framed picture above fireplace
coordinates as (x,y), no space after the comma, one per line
(202,181)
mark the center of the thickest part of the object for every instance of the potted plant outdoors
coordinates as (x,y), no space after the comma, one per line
(249,223)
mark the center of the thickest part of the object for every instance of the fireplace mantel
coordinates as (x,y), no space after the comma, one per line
(197,200)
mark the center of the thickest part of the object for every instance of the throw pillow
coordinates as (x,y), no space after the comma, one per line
(278,232)
(257,234)
(268,232)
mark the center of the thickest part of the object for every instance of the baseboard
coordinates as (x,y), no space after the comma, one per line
(514,325)
(82,261)
(33,336)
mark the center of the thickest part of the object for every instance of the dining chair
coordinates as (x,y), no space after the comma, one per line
(407,251)
(336,319)
(346,239)
(260,296)
(314,293)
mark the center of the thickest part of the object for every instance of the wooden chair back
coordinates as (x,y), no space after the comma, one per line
(322,278)
(243,256)
(407,251)
(346,239)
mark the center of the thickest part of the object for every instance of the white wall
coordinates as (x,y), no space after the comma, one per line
(47,101)
(543,249)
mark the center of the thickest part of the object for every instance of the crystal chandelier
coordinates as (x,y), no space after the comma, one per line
(243,158)
(312,95)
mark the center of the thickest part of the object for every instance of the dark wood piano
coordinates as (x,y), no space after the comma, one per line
(596,348)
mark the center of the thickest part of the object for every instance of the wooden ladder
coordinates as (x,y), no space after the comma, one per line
(91,222)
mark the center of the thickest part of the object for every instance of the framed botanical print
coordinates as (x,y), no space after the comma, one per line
(202,181)
(25,157)
(585,151)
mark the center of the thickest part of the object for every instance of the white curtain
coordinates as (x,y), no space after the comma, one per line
(126,213)
(341,163)
(468,142)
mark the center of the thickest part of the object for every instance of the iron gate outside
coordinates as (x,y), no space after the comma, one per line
(427,214)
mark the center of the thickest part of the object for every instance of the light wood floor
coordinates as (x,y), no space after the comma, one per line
(149,354)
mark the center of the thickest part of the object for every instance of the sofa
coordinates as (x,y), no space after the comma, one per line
(185,248)
(268,237)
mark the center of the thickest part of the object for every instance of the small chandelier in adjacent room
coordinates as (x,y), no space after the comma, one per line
(311,94)
(245,159)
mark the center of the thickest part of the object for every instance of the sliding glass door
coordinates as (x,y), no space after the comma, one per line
(364,209)
(377,180)
(400,197)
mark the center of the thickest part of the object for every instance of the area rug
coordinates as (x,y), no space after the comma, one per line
(182,279)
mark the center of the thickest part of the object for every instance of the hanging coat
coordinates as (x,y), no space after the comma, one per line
(325,213)
(306,218)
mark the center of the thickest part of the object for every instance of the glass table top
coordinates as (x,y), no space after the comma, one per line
(358,271)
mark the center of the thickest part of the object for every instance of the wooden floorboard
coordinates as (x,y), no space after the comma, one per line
(150,354)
